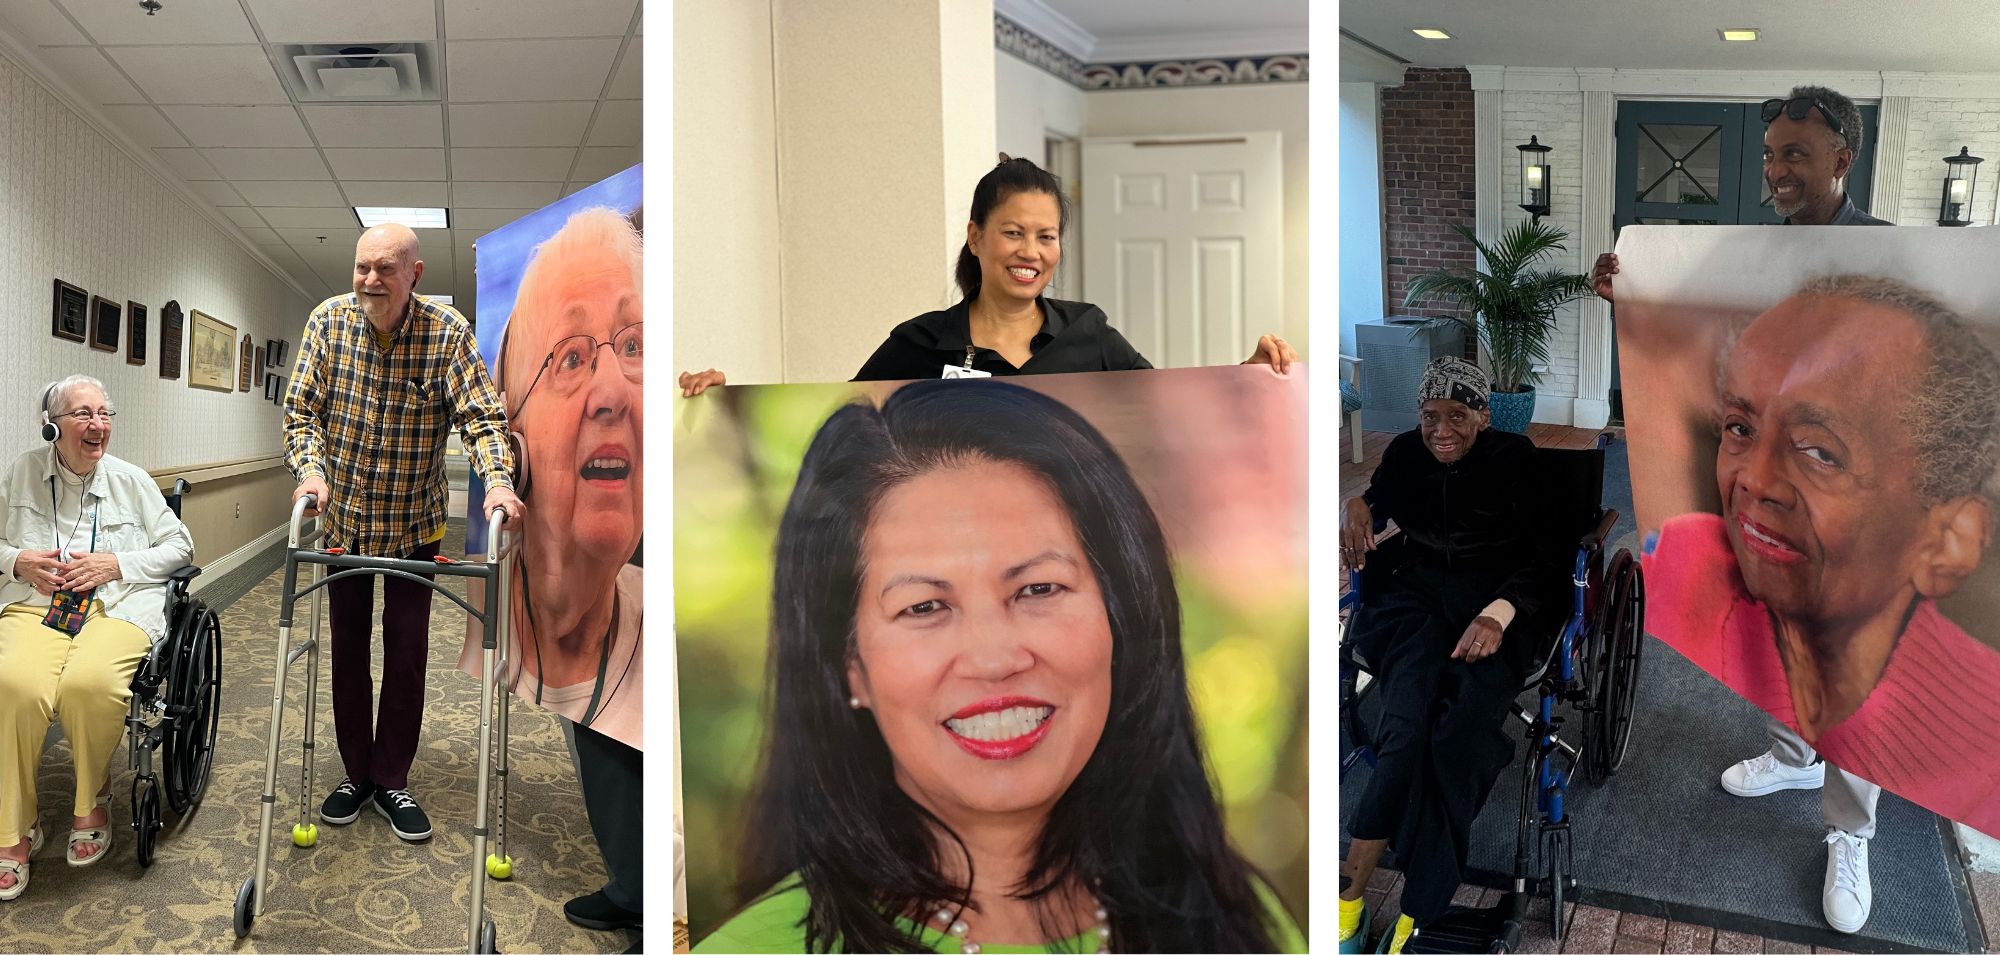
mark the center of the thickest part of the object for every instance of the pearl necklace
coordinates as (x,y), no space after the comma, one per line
(957,928)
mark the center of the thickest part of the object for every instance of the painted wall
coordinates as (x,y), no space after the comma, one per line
(1556,119)
(1938,128)
(1230,109)
(1360,211)
(1029,103)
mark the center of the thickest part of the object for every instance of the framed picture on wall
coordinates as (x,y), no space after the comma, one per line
(243,353)
(104,318)
(210,362)
(71,317)
(270,354)
(273,388)
(170,339)
(135,333)
(260,362)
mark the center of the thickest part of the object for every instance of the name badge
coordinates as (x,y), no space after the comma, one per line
(954,371)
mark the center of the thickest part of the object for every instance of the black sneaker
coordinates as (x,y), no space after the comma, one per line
(400,808)
(596,911)
(344,806)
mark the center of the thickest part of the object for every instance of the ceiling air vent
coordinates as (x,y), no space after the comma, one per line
(361,72)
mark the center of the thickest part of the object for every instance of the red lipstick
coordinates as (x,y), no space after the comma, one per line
(1003,748)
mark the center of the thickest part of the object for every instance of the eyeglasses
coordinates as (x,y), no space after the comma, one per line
(83,417)
(575,359)
(1798,108)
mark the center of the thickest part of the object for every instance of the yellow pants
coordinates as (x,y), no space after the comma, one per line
(88,679)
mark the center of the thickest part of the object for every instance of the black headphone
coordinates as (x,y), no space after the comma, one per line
(515,442)
(50,430)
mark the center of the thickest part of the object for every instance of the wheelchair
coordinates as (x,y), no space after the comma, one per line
(1589,662)
(175,707)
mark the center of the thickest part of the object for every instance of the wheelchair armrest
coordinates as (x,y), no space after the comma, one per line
(1593,540)
(185,574)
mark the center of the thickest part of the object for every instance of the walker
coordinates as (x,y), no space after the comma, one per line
(481,935)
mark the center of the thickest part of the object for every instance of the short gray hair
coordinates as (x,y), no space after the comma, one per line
(1951,416)
(57,395)
(1842,109)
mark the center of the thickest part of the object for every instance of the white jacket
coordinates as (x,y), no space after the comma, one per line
(134,523)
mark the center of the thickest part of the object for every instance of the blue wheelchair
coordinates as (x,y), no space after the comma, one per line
(1590,663)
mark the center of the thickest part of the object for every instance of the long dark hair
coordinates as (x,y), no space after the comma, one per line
(1006,179)
(1139,825)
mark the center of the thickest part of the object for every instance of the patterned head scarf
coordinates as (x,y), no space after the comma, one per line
(1456,379)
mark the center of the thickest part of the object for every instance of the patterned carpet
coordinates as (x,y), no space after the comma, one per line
(360,888)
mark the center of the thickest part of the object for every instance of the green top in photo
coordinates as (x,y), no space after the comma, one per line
(775,923)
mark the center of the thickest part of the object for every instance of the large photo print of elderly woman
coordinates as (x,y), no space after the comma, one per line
(1815,428)
(982,665)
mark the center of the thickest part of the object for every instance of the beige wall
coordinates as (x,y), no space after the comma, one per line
(1246,108)
(824,156)
(226,513)
(726,252)
(1031,102)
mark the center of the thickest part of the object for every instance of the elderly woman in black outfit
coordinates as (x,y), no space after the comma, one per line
(1003,325)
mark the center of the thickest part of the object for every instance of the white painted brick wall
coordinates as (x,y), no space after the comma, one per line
(1937,129)
(74,206)
(1556,121)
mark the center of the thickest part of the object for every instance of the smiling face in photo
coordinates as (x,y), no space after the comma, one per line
(1816,468)
(984,653)
(1018,246)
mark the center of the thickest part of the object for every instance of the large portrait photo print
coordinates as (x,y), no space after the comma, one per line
(1814,424)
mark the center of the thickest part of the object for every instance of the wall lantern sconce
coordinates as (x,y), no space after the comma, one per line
(1535,177)
(1961,172)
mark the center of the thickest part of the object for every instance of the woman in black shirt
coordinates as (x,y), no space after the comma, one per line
(1003,325)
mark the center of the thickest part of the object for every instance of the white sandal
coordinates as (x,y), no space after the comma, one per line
(100,835)
(19,870)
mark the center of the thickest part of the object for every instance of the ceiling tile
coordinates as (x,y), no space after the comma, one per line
(267,164)
(243,216)
(375,193)
(339,244)
(145,125)
(504,195)
(602,162)
(464,238)
(486,218)
(187,163)
(262,236)
(348,21)
(232,75)
(216,192)
(93,76)
(520,124)
(469,19)
(38,24)
(281,193)
(502,165)
(629,81)
(387,163)
(619,123)
(179,21)
(488,71)
(403,124)
(239,125)
(340,217)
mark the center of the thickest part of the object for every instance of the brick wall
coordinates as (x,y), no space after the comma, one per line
(1938,127)
(1427,177)
(1556,120)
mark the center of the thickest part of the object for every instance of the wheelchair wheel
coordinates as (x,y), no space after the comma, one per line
(193,688)
(1593,669)
(1628,642)
(1555,849)
(145,817)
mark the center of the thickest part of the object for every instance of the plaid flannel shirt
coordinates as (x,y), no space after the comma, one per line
(373,422)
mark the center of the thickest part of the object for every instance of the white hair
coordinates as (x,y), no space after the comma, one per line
(57,395)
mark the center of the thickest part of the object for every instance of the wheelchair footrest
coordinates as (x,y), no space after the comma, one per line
(1461,929)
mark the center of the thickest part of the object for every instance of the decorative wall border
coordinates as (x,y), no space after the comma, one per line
(1011,37)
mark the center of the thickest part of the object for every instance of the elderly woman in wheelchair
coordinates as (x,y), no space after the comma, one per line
(89,545)
(1464,609)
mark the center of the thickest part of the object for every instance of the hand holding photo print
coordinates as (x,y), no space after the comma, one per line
(1814,422)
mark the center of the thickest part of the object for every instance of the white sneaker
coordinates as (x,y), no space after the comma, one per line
(1763,775)
(1847,896)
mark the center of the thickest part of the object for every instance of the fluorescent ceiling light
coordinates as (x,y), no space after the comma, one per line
(1431,34)
(372,216)
(1739,36)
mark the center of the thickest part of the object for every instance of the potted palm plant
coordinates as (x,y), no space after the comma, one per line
(1512,305)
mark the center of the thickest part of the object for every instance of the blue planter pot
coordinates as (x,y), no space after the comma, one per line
(1513,410)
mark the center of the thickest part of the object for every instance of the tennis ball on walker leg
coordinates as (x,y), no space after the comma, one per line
(304,835)
(499,868)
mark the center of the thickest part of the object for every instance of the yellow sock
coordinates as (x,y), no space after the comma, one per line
(1350,917)
(1405,927)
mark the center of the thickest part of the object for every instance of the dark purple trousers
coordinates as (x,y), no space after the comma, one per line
(380,753)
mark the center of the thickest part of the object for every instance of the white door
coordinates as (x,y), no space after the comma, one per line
(1184,243)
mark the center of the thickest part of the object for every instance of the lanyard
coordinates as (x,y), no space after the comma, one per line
(968,356)
(62,543)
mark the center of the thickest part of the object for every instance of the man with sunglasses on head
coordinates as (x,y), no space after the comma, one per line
(383,377)
(1810,141)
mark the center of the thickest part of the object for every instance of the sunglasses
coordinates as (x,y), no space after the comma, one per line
(1798,108)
